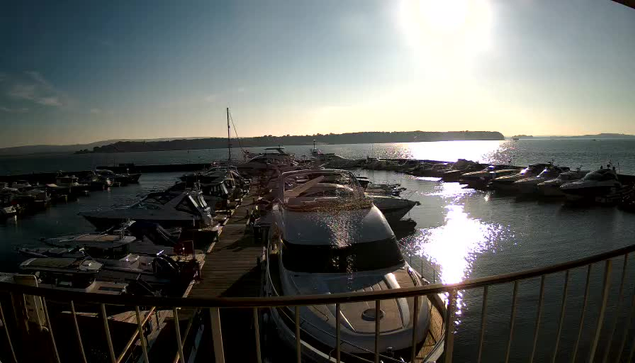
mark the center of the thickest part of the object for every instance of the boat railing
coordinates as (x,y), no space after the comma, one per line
(602,322)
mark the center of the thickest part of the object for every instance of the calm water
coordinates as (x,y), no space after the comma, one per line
(568,152)
(461,232)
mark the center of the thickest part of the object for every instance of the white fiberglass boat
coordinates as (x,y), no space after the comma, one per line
(327,237)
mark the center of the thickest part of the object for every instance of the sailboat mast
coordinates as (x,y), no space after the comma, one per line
(229,143)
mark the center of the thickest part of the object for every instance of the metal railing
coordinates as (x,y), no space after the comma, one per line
(215,306)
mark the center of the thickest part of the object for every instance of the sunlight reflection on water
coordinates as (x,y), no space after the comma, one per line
(454,246)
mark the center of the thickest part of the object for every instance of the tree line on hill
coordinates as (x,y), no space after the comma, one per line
(269,140)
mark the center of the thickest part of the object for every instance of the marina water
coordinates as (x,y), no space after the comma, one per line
(460,233)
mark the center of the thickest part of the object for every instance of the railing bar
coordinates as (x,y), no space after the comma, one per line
(217,335)
(511,321)
(605,298)
(562,311)
(377,328)
(449,327)
(541,297)
(177,330)
(481,339)
(618,310)
(111,349)
(6,331)
(298,342)
(338,312)
(50,326)
(79,335)
(415,319)
(584,304)
(144,344)
(257,335)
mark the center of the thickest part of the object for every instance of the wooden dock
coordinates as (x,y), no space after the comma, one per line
(231,268)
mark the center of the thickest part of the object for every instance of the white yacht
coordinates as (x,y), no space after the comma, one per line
(601,183)
(507,183)
(327,237)
(480,179)
(551,188)
(393,208)
(187,209)
(272,158)
(530,185)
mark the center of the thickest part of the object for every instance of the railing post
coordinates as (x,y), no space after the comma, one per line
(144,344)
(562,310)
(298,341)
(511,321)
(449,326)
(483,320)
(257,336)
(111,349)
(415,319)
(6,331)
(605,298)
(79,336)
(618,310)
(584,305)
(177,330)
(337,332)
(50,326)
(377,328)
(217,335)
(541,297)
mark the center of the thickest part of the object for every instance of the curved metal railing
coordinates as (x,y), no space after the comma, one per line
(451,290)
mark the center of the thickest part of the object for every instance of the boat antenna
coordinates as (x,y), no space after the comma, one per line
(229,142)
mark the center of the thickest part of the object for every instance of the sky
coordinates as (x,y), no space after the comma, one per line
(84,71)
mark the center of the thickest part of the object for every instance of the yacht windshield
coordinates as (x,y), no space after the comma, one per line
(365,256)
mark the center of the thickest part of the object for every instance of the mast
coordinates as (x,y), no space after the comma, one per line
(229,142)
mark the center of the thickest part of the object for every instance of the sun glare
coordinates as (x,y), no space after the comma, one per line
(446,30)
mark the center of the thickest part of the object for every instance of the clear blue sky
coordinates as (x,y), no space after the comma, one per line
(83,71)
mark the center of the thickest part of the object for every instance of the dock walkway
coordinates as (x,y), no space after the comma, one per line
(231,268)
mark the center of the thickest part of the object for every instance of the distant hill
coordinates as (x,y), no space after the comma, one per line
(269,140)
(50,149)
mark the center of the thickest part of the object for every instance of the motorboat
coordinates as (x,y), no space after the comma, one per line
(69,274)
(601,183)
(68,185)
(97,181)
(187,209)
(273,159)
(327,237)
(8,204)
(480,179)
(506,183)
(530,185)
(21,185)
(33,199)
(121,179)
(551,188)
(393,208)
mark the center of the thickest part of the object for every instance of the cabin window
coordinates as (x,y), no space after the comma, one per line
(364,256)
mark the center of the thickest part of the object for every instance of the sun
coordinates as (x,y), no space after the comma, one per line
(446,29)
